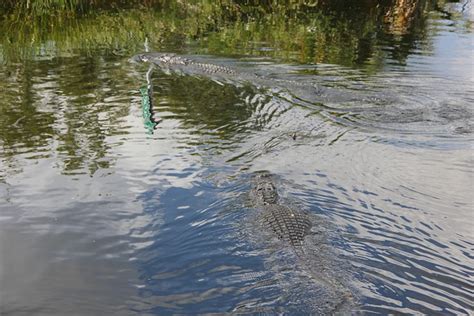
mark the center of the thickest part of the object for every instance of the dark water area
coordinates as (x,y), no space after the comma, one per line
(118,201)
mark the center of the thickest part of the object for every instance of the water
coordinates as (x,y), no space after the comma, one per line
(99,214)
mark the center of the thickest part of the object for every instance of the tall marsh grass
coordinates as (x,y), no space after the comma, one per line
(35,8)
(323,33)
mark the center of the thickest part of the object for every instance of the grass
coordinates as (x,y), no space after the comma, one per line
(297,32)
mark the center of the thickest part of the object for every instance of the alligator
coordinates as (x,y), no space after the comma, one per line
(299,92)
(286,223)
(293,226)
(187,65)
(181,64)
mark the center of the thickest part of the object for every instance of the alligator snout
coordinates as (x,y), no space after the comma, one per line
(139,58)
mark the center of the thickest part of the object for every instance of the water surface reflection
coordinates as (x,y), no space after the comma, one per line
(98,216)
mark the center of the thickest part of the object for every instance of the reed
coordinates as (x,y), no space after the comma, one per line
(216,27)
(35,8)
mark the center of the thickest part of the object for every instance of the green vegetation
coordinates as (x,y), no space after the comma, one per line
(339,32)
(35,8)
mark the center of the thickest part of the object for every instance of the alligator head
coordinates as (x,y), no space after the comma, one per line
(140,58)
(159,58)
(264,191)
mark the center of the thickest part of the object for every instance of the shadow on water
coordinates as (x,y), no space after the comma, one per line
(205,105)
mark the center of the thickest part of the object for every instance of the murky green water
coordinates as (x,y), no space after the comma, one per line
(362,112)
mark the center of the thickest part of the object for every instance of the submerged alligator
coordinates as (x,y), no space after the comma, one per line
(176,63)
(286,223)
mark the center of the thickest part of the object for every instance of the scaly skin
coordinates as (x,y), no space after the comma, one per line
(172,60)
(287,224)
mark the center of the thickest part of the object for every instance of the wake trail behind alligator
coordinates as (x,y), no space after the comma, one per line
(380,104)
